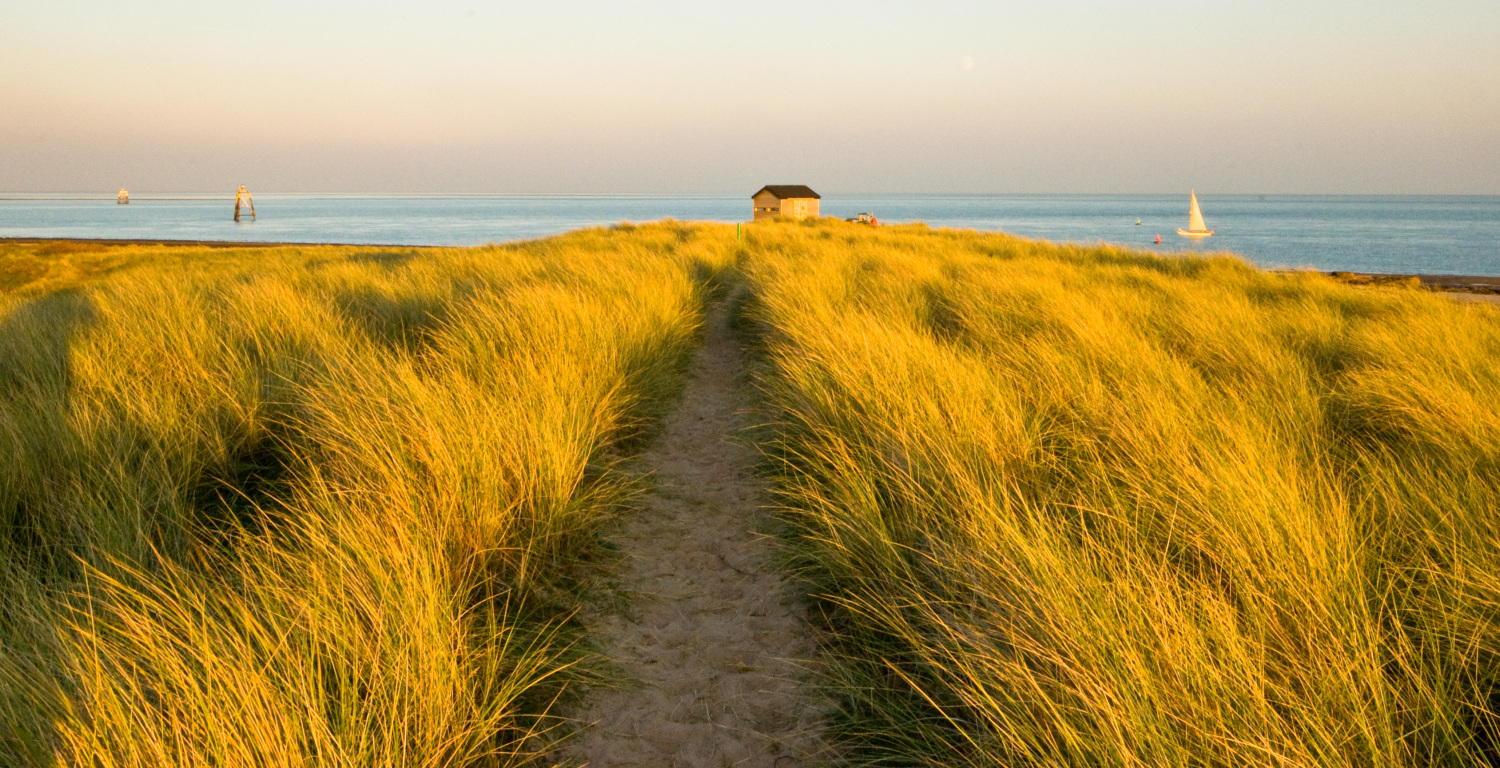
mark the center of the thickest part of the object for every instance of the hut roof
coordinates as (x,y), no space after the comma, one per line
(789,191)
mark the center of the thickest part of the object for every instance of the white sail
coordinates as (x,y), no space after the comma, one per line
(1195,214)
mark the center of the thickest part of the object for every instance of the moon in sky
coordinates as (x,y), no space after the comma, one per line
(967,62)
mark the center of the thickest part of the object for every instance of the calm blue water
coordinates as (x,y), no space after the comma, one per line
(1434,235)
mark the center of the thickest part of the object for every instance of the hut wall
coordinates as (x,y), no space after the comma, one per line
(767,206)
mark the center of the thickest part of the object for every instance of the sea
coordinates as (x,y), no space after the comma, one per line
(1402,234)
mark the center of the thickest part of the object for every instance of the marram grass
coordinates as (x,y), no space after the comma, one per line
(321,506)
(1055,505)
(1082,506)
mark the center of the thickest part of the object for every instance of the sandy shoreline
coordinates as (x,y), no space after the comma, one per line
(1460,283)
(1463,287)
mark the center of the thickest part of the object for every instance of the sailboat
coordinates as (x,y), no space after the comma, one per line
(1196,227)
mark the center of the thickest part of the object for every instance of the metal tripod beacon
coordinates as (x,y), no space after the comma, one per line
(242,197)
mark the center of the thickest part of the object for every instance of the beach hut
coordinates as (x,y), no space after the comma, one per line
(794,200)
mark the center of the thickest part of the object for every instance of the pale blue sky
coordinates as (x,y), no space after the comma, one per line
(664,96)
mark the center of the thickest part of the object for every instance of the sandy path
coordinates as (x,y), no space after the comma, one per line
(712,632)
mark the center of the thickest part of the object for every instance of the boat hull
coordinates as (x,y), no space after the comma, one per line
(1196,232)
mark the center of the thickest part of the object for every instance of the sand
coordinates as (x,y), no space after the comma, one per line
(713,644)
(1491,298)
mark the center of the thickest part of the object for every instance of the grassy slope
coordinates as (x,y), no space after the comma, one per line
(317,506)
(1086,506)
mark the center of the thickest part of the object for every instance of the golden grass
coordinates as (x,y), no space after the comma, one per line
(1087,506)
(1057,505)
(320,506)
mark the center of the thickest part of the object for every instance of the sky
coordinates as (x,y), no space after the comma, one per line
(669,96)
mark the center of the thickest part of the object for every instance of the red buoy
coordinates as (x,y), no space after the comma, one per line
(1158,239)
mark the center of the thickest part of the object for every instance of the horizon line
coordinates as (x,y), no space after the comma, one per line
(92,195)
